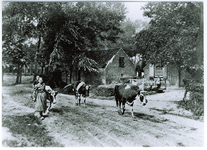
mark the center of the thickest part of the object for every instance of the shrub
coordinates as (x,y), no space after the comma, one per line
(197,98)
(196,102)
(197,91)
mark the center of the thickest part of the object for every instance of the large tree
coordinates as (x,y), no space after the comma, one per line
(63,30)
(173,35)
(17,27)
(78,27)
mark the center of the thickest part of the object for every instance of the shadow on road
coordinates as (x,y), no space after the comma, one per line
(147,117)
(57,110)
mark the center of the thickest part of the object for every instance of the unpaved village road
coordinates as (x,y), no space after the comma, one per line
(99,124)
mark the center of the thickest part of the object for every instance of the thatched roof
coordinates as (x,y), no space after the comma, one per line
(103,56)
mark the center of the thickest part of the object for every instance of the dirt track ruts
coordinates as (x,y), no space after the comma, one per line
(99,124)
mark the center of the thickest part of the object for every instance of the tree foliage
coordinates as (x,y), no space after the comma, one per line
(126,39)
(76,27)
(175,30)
(16,29)
(63,30)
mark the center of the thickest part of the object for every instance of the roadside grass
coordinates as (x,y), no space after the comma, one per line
(196,107)
(195,104)
(27,132)
(19,93)
(10,79)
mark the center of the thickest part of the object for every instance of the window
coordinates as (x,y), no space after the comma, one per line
(121,62)
(159,71)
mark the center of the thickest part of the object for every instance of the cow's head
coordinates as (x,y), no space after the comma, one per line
(87,87)
(53,95)
(84,89)
(141,98)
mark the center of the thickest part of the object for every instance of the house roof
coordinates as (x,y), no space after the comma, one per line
(103,56)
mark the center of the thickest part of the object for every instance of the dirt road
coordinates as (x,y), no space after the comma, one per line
(159,124)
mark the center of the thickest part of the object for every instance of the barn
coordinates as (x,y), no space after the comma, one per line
(113,64)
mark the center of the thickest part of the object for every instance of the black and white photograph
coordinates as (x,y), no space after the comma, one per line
(102,74)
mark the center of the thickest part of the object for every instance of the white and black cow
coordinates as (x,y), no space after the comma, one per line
(128,94)
(81,89)
(51,96)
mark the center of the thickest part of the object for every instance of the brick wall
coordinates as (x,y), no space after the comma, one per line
(113,71)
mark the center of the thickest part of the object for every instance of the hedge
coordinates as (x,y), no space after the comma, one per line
(196,102)
(197,98)
(104,91)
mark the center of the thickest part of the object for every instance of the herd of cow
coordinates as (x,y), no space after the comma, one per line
(124,94)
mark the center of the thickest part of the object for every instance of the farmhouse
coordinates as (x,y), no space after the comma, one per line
(169,72)
(113,64)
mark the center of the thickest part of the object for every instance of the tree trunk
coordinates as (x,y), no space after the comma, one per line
(179,76)
(31,68)
(17,78)
(79,75)
(76,75)
(35,70)
(19,75)
(37,52)
(71,73)
(66,74)
(42,69)
(46,70)
(165,84)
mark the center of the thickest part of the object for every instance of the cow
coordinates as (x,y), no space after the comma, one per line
(81,89)
(128,94)
(51,97)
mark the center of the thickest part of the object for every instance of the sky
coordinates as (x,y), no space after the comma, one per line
(134,11)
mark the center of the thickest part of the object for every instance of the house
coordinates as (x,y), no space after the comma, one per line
(169,72)
(113,64)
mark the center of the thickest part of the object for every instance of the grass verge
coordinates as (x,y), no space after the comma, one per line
(27,132)
(196,107)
